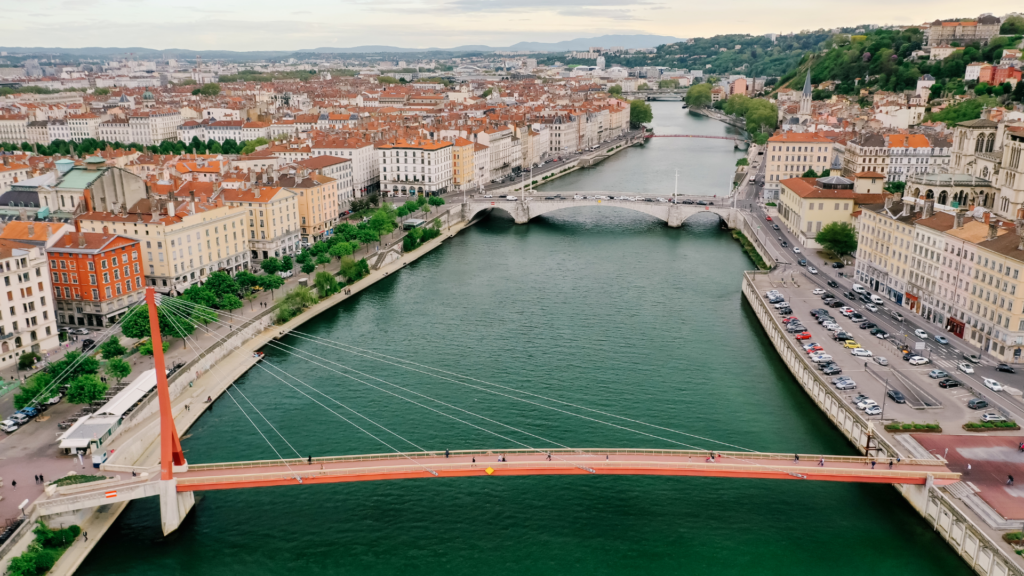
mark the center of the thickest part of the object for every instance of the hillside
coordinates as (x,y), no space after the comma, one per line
(756,55)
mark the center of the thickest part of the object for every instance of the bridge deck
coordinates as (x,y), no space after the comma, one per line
(586,461)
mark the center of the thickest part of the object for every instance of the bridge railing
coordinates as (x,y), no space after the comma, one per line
(428,467)
(554,451)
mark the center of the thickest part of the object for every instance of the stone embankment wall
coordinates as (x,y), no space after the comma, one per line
(976,547)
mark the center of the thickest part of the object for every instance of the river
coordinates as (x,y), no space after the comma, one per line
(596,306)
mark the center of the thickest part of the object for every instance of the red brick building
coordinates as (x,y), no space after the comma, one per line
(96,277)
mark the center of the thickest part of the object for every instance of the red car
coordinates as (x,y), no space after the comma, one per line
(814,349)
(803,336)
(788,320)
(768,218)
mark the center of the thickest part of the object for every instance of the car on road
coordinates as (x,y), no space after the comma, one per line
(992,417)
(80,331)
(896,316)
(921,334)
(950,383)
(18,417)
(851,344)
(881,360)
(512,198)
(802,262)
(838,265)
(286,273)
(918,360)
(861,352)
(818,291)
(992,384)
(812,269)
(871,307)
(785,244)
(940,339)
(768,218)
(936,374)
(832,370)
(1005,368)
(858,289)
(796,249)
(867,325)
(775,226)
(803,336)
(879,333)
(896,396)
(972,357)
(8,426)
(832,283)
(977,404)
(965,368)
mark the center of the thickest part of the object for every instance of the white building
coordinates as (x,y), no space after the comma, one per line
(28,323)
(420,166)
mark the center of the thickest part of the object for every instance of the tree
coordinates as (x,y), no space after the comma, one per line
(199,295)
(66,368)
(35,389)
(387,80)
(761,116)
(252,145)
(308,267)
(486,93)
(838,237)
(323,259)
(27,360)
(383,220)
(229,302)
(147,347)
(86,389)
(435,201)
(1012,25)
(118,369)
(197,92)
(220,284)
(271,282)
(1018,92)
(809,174)
(246,280)
(211,89)
(136,325)
(698,96)
(639,113)
(326,284)
(615,90)
(341,249)
(286,263)
(112,348)
(101,91)
(643,86)
(271,265)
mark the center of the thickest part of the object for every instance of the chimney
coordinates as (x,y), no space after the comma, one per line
(907,209)
(928,209)
(1020,232)
(81,238)
(67,240)
(31,230)
(993,231)
(78,226)
(23,215)
(49,231)
(256,191)
(6,161)
(170,202)
(154,207)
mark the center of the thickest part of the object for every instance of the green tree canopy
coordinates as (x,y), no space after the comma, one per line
(211,89)
(809,174)
(698,96)
(615,90)
(271,265)
(36,389)
(271,282)
(66,369)
(246,280)
(112,348)
(1012,25)
(639,113)
(326,284)
(118,369)
(220,284)
(838,237)
(86,389)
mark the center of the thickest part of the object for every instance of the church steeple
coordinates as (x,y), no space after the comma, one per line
(806,97)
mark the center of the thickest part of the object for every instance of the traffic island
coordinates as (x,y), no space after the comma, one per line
(991,426)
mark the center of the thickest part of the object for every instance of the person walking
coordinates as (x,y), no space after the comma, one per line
(85,536)
(890,464)
(1009,480)
(446,453)
(821,461)
(968,467)
(796,458)
(872,464)
(41,481)
(14,484)
(309,460)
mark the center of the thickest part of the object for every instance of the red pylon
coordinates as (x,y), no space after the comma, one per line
(170,444)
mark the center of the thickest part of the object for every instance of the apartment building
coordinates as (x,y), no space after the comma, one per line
(963,32)
(272,215)
(463,172)
(339,169)
(806,205)
(365,169)
(27,319)
(318,205)
(13,128)
(96,277)
(12,172)
(790,155)
(916,154)
(885,247)
(415,166)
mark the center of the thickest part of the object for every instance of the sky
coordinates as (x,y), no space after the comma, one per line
(298,24)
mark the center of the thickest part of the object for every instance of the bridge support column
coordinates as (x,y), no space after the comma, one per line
(521,212)
(174,505)
(676,215)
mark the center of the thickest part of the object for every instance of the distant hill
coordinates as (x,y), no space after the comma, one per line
(608,41)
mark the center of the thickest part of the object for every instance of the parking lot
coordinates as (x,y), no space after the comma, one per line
(924,401)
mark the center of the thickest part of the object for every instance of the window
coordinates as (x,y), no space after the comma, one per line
(95,294)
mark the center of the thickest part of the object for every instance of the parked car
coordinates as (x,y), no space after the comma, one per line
(936,374)
(950,383)
(857,317)
(863,404)
(861,352)
(918,361)
(940,339)
(965,368)
(19,418)
(846,385)
(851,344)
(992,417)
(29,411)
(832,370)
(873,410)
(972,357)
(867,325)
(881,360)
(977,404)
(1005,368)
(812,269)
(838,265)
(803,336)
(992,384)
(818,291)
(921,334)
(896,396)
(286,273)
(8,426)
(55,400)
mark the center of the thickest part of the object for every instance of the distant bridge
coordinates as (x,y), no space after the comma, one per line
(736,138)
(525,209)
(656,94)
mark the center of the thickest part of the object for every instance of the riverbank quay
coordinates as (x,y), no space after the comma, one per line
(981,547)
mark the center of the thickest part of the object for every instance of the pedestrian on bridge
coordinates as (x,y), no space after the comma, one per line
(796,458)
(821,461)
(446,453)
(1009,480)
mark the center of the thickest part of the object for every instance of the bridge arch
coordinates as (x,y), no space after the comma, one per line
(672,214)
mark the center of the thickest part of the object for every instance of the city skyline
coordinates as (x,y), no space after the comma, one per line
(417,24)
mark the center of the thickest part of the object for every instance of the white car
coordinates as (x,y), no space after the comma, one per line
(863,404)
(918,360)
(18,418)
(921,334)
(861,352)
(286,273)
(992,384)
(992,417)
(55,400)
(8,426)
(796,250)
(881,360)
(511,198)
(818,291)
(812,269)
(965,368)
(873,410)
(577,197)
(846,312)
(858,288)
(821,358)
(488,196)
(80,331)
(782,305)
(871,307)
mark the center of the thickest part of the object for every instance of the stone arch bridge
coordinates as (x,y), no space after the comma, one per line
(523,210)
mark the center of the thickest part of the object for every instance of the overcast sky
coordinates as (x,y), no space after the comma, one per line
(296,24)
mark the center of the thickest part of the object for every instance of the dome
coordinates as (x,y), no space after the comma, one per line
(147,95)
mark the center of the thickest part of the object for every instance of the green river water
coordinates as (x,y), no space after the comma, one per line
(597,306)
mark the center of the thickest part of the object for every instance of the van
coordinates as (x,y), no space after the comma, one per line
(876,299)
(896,316)
(977,404)
(286,273)
(858,288)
